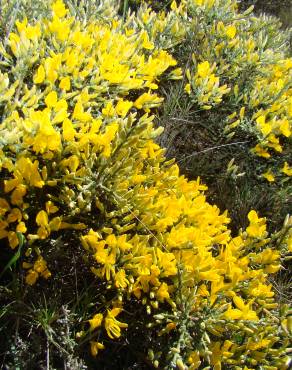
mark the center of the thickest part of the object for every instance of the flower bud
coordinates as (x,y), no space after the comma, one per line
(180,364)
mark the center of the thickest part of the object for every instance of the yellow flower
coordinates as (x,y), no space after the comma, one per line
(123,107)
(257,226)
(188,88)
(65,83)
(79,113)
(258,345)
(230,31)
(42,233)
(51,67)
(72,162)
(176,74)
(162,292)
(13,239)
(10,184)
(40,75)
(31,277)
(14,215)
(55,224)
(105,139)
(285,128)
(121,280)
(30,172)
(59,9)
(40,265)
(4,206)
(46,136)
(108,110)
(46,274)
(203,291)
(96,321)
(42,219)
(146,43)
(253,217)
(68,130)
(108,259)
(269,176)
(137,179)
(147,101)
(268,256)
(51,99)
(18,194)
(257,289)
(21,228)
(194,360)
(113,326)
(167,262)
(95,347)
(242,312)
(21,26)
(173,5)
(261,152)
(51,208)
(272,269)
(273,142)
(264,127)
(241,112)
(286,169)
(203,69)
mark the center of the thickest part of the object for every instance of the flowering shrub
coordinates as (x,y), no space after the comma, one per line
(240,66)
(79,164)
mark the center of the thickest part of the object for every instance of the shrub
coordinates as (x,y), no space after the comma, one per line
(82,179)
(234,102)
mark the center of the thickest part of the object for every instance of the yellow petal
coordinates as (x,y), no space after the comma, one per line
(230,31)
(269,176)
(65,83)
(233,314)
(51,99)
(68,130)
(252,216)
(203,69)
(59,9)
(96,321)
(239,303)
(40,75)
(42,219)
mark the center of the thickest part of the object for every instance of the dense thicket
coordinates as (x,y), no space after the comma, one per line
(104,244)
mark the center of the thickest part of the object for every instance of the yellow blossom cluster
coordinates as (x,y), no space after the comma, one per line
(76,99)
(204,85)
(274,121)
(249,56)
(39,268)
(78,160)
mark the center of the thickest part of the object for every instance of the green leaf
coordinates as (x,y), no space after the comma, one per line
(16,256)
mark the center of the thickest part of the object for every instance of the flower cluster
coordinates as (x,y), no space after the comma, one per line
(271,99)
(78,160)
(72,108)
(249,56)
(204,85)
